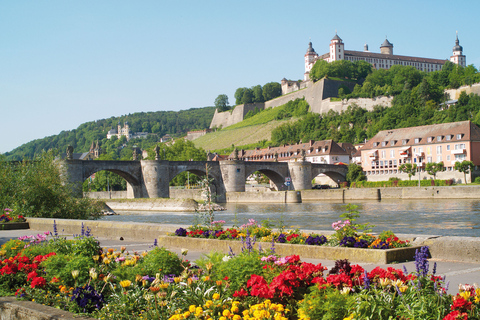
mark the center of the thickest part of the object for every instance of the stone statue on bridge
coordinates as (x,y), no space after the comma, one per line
(69,153)
(157,152)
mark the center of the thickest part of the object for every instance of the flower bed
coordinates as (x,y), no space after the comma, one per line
(79,276)
(10,221)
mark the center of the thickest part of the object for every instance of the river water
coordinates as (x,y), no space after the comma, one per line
(457,217)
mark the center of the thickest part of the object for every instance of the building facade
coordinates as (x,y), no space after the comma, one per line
(325,151)
(125,131)
(383,60)
(452,142)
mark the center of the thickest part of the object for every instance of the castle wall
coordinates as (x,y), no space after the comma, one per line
(317,95)
(455,93)
(228,118)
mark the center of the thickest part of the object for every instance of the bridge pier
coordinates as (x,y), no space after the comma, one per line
(156,178)
(72,173)
(233,175)
(301,174)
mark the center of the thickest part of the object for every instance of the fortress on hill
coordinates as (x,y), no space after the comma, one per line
(318,94)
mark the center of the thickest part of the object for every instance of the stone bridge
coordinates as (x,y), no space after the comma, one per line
(151,178)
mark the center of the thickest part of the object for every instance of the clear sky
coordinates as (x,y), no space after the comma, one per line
(63,63)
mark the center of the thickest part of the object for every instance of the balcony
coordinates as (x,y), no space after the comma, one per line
(459,151)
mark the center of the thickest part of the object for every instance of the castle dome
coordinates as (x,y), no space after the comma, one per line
(457,46)
(310,48)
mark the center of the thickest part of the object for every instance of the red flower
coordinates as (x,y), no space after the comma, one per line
(240,293)
(456,315)
(32,275)
(339,280)
(38,282)
(226,278)
(459,303)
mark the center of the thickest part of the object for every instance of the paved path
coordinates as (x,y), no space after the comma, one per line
(457,272)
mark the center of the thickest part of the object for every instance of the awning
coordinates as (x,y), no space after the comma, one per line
(405,149)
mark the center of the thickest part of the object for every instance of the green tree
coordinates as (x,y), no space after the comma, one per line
(239,95)
(355,173)
(465,167)
(258,94)
(248,96)
(272,90)
(409,169)
(221,103)
(433,167)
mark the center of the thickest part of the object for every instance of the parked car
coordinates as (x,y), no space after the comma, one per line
(321,186)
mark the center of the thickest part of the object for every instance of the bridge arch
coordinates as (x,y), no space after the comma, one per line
(275,176)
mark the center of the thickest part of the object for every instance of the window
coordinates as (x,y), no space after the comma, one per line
(448,137)
(448,157)
(459,136)
(417,140)
(460,146)
(448,147)
(392,143)
(439,149)
(383,154)
(384,143)
(429,139)
(439,158)
(392,153)
(394,163)
(429,159)
(460,157)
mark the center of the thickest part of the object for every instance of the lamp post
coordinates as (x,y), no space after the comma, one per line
(418,169)
(164,156)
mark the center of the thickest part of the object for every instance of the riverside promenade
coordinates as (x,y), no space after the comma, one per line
(137,237)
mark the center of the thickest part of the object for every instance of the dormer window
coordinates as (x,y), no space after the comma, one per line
(417,140)
(326,148)
(448,137)
(404,141)
(375,144)
(439,138)
(393,142)
(429,139)
(459,136)
(384,143)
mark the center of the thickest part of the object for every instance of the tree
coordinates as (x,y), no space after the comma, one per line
(239,95)
(465,167)
(248,96)
(409,169)
(272,90)
(355,173)
(221,103)
(258,94)
(433,167)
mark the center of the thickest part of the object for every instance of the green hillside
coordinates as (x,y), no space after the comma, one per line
(175,123)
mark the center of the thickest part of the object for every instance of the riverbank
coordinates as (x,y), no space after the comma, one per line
(464,249)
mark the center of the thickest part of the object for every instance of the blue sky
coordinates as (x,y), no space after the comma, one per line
(63,63)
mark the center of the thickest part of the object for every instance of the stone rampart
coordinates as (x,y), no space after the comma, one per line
(106,195)
(455,93)
(228,118)
(178,205)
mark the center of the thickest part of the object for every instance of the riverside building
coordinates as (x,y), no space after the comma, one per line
(451,142)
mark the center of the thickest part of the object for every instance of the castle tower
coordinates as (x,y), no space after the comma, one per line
(119,130)
(127,130)
(365,47)
(337,51)
(310,58)
(458,57)
(97,151)
(386,47)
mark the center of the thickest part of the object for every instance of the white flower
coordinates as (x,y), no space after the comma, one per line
(226,258)
(184,251)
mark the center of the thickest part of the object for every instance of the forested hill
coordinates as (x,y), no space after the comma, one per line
(174,123)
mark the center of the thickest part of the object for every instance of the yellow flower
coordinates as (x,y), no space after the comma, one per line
(198,311)
(403,288)
(234,309)
(191,308)
(350,317)
(125,283)
(226,313)
(465,295)
(176,279)
(208,304)
(237,317)
(164,285)
(138,277)
(216,296)
(186,314)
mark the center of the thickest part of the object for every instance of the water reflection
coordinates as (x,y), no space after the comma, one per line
(432,217)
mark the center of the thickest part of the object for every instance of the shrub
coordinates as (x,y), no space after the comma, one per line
(159,260)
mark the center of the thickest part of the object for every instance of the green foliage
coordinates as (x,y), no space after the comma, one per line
(327,304)
(62,265)
(465,167)
(400,183)
(159,260)
(355,173)
(221,103)
(272,90)
(36,189)
(433,167)
(342,69)
(239,268)
(409,169)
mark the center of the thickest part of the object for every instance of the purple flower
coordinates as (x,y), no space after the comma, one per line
(181,232)
(281,238)
(421,261)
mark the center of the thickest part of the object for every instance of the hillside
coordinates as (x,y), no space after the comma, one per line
(238,136)
(175,123)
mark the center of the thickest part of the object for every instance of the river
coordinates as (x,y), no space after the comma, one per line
(457,217)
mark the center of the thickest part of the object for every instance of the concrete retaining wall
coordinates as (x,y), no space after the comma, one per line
(456,192)
(305,251)
(106,195)
(162,204)
(265,197)
(12,309)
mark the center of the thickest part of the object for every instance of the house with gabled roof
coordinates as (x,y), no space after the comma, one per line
(448,143)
